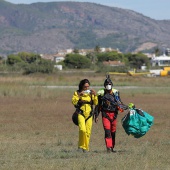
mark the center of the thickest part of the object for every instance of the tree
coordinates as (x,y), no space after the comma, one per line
(110,56)
(137,60)
(76,51)
(77,61)
(29,57)
(13,59)
(41,65)
(157,51)
(97,49)
(30,63)
(93,57)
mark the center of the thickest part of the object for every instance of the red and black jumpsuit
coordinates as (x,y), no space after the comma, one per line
(108,105)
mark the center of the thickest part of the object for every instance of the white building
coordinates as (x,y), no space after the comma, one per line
(167,51)
(58,58)
(162,60)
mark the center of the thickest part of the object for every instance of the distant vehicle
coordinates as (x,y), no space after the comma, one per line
(152,73)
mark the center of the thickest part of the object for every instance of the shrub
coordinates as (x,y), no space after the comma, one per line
(43,66)
(77,61)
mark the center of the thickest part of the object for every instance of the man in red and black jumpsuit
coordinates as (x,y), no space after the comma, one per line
(109,103)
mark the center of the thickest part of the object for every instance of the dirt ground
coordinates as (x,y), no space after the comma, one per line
(38,133)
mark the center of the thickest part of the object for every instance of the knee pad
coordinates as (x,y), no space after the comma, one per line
(107,133)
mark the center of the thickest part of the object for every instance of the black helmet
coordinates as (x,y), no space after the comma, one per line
(108,81)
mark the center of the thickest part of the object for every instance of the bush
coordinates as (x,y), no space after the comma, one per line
(29,63)
(12,59)
(43,66)
(77,61)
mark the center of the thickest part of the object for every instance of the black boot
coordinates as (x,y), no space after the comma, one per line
(113,150)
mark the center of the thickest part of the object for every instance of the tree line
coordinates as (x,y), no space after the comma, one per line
(27,63)
(31,63)
(95,60)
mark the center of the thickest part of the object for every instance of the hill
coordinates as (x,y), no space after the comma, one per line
(48,27)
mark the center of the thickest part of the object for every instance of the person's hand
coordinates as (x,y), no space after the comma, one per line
(93,92)
(81,93)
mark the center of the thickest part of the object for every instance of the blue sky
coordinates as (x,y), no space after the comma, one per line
(155,9)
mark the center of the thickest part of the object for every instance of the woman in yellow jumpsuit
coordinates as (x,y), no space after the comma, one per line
(84,98)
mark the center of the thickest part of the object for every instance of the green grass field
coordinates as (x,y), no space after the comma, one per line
(37,133)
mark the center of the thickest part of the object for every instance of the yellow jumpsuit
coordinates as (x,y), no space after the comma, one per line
(84,127)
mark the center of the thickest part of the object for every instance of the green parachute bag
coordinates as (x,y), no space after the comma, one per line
(137,122)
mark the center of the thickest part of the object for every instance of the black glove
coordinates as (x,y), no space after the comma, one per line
(124,107)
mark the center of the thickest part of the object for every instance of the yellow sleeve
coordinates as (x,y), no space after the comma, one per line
(95,100)
(75,98)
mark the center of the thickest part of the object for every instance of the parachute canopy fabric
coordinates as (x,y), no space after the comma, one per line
(137,122)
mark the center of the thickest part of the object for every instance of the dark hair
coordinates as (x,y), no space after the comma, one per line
(82,83)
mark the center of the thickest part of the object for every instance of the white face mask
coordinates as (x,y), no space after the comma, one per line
(108,87)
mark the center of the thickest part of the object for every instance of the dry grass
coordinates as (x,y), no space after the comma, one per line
(36,131)
(73,78)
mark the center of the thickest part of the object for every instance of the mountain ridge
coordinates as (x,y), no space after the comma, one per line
(51,26)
